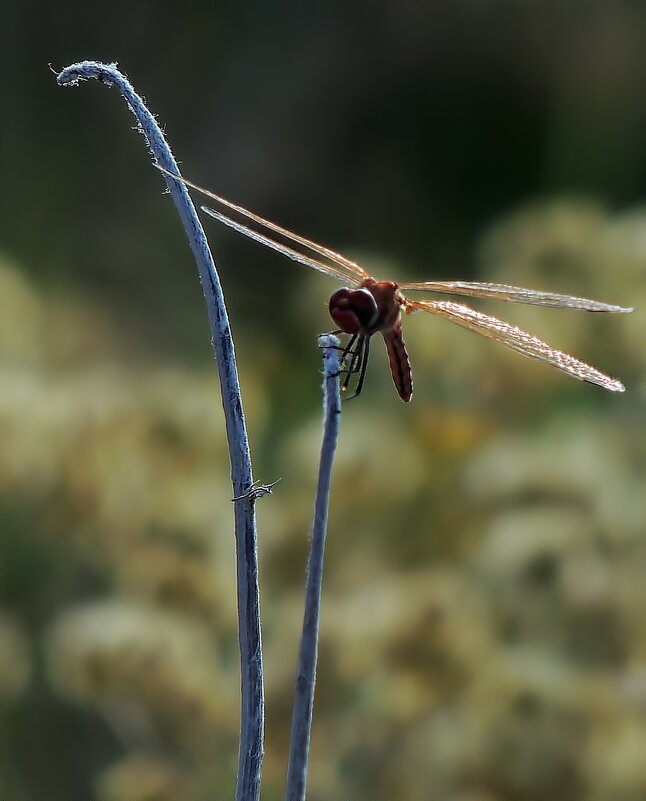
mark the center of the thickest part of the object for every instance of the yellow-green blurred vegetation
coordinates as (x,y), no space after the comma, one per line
(483,633)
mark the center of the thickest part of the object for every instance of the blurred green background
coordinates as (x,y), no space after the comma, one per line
(484,613)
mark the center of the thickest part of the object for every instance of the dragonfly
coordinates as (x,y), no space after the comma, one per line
(368,306)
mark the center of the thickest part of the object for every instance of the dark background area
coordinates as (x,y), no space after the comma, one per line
(404,128)
(483,634)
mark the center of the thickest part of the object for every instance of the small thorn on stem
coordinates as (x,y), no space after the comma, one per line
(256,490)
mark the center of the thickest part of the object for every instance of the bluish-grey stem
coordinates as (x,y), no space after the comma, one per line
(308,653)
(252,715)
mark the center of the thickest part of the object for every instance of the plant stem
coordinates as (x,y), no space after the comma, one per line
(252,714)
(306,673)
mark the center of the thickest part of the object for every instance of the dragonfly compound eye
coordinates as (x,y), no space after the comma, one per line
(353,310)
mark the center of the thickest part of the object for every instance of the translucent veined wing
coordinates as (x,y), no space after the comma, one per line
(516,339)
(292,254)
(514,294)
(354,269)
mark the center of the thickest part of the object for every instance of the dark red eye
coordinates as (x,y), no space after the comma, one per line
(353,310)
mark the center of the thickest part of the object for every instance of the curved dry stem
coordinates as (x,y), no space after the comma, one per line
(306,673)
(252,716)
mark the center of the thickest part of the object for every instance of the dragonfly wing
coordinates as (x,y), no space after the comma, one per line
(514,294)
(292,254)
(516,339)
(352,267)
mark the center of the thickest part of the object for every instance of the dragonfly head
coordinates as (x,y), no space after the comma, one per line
(354,310)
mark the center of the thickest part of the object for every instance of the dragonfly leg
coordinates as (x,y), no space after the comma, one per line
(354,359)
(365,353)
(355,354)
(345,352)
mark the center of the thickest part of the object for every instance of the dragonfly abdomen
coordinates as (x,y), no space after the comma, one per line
(400,367)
